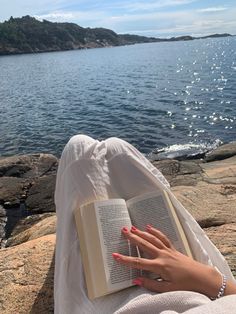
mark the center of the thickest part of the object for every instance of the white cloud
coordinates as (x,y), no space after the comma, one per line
(56,16)
(20,8)
(166,24)
(213,9)
(82,18)
(147,6)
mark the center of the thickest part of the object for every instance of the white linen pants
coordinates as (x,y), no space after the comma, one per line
(90,170)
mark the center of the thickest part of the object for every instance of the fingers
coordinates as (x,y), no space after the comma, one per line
(158,234)
(155,285)
(148,236)
(141,241)
(135,262)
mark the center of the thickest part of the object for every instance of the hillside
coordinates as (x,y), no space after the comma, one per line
(29,35)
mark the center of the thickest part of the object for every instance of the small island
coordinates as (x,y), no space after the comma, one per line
(29,35)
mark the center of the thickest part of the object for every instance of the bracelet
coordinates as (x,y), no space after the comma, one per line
(222,288)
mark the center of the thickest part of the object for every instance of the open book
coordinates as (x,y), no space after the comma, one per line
(99,227)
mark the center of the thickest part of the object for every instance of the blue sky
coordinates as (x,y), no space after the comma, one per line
(149,18)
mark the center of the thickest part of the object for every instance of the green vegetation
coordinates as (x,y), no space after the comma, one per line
(27,35)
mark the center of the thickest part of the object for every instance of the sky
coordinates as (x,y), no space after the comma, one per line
(161,18)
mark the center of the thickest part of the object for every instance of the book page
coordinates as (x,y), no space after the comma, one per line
(112,215)
(153,208)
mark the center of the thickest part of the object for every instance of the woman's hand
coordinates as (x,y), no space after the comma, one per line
(178,271)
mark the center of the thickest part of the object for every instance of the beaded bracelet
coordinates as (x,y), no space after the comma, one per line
(222,288)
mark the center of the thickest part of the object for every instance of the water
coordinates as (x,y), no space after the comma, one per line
(152,95)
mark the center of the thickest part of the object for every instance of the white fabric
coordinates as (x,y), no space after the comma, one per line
(91,170)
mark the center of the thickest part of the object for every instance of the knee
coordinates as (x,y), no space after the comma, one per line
(78,144)
(116,145)
(79,139)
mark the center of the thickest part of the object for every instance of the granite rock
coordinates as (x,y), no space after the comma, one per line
(27,166)
(26,277)
(12,190)
(41,195)
(25,180)
(222,152)
(18,173)
(180,172)
(33,227)
(224,238)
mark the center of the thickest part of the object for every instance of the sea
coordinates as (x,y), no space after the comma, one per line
(168,98)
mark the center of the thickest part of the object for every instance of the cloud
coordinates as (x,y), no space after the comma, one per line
(148,6)
(174,23)
(155,23)
(152,18)
(83,18)
(57,16)
(213,9)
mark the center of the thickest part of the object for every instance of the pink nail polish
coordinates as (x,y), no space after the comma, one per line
(148,227)
(116,256)
(133,228)
(124,229)
(137,282)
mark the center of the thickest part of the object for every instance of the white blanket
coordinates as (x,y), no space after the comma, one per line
(91,170)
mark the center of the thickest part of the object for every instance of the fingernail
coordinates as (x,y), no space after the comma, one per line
(137,282)
(148,226)
(133,228)
(116,256)
(124,229)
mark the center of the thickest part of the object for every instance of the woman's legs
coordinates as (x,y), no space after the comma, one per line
(89,169)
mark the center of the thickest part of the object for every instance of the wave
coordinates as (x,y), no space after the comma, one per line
(184,151)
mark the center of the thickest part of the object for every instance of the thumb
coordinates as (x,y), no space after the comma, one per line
(155,285)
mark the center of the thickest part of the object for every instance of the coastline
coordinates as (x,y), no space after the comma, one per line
(16,37)
(15,51)
(206,187)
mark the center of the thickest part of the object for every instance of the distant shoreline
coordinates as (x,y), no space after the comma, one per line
(28,35)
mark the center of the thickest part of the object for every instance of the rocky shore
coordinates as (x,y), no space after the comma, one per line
(29,35)
(206,187)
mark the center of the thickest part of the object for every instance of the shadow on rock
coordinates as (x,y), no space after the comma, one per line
(44,302)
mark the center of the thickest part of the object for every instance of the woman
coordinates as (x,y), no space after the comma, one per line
(91,170)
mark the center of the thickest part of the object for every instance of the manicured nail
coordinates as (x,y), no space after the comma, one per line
(137,282)
(124,229)
(116,256)
(148,227)
(133,228)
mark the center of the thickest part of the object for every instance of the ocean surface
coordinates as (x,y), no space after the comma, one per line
(176,95)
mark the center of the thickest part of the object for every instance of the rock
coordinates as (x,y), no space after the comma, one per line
(180,172)
(28,166)
(220,172)
(41,195)
(206,189)
(32,227)
(3,220)
(17,175)
(206,202)
(26,277)
(29,221)
(208,192)
(222,152)
(11,189)
(225,243)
